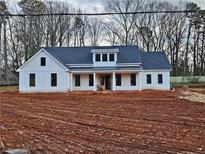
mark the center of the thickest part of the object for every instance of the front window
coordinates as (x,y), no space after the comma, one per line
(133,79)
(91,80)
(104,57)
(53,79)
(118,79)
(77,80)
(32,80)
(160,79)
(149,79)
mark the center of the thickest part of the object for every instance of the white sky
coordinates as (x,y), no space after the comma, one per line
(97,5)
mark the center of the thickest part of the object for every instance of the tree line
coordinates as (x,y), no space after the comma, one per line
(180,35)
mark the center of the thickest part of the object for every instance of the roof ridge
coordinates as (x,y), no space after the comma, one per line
(153,52)
(94,46)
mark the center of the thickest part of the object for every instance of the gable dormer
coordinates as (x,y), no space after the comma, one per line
(104,57)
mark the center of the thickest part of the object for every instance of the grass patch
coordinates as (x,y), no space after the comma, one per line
(194,85)
(8,88)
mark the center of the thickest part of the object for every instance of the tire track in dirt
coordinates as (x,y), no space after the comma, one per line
(45,117)
(65,134)
(112,123)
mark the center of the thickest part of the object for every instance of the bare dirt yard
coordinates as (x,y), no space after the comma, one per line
(134,122)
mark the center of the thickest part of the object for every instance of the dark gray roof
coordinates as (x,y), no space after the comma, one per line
(83,55)
(127,54)
(155,60)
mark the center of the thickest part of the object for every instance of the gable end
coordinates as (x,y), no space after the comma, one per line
(35,55)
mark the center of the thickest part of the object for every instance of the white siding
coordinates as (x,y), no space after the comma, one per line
(43,75)
(126,83)
(154,84)
(43,78)
(84,83)
(104,63)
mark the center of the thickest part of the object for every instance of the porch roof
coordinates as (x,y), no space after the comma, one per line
(110,68)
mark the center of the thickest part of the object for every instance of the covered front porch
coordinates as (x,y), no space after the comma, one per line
(100,81)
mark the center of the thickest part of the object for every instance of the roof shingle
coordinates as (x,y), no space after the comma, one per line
(126,54)
(83,55)
(155,60)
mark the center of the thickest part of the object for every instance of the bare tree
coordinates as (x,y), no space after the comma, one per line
(80,24)
(95,30)
(181,36)
(125,22)
(4,10)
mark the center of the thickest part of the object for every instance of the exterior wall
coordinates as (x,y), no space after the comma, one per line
(84,83)
(43,78)
(125,83)
(106,63)
(154,84)
(43,75)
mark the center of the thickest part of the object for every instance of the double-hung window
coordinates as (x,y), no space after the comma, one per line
(160,78)
(77,80)
(32,80)
(118,79)
(149,79)
(43,61)
(53,79)
(133,79)
(90,79)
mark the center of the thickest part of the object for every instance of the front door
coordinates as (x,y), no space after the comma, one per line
(107,82)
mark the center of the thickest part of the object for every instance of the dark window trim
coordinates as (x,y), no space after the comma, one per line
(133,80)
(118,77)
(91,80)
(77,80)
(54,79)
(149,81)
(160,80)
(43,61)
(32,80)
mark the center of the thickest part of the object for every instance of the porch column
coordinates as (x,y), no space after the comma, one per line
(113,81)
(94,81)
(71,81)
(140,81)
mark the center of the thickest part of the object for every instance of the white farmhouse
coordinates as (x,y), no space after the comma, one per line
(113,68)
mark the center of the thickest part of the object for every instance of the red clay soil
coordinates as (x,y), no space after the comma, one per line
(201,91)
(138,122)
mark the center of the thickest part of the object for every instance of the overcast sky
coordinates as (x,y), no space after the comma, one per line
(97,5)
